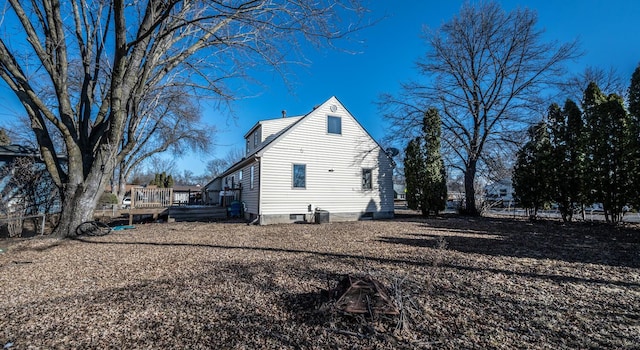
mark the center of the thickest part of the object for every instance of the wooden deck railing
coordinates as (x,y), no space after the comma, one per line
(142,197)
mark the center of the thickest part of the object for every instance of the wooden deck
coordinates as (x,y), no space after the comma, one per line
(177,213)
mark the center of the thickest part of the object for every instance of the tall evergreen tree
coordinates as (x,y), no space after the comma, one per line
(609,161)
(414,172)
(435,186)
(576,166)
(567,158)
(532,173)
(634,147)
(169,182)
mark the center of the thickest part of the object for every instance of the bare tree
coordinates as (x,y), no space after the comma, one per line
(608,79)
(169,121)
(216,167)
(485,72)
(127,49)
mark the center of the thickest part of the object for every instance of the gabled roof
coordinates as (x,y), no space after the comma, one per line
(268,143)
(271,138)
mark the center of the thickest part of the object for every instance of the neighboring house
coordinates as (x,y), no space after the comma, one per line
(10,152)
(499,192)
(211,192)
(186,194)
(400,192)
(324,160)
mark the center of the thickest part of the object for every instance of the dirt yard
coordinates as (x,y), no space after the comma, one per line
(459,283)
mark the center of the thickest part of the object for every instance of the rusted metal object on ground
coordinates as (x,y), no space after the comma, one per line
(363,295)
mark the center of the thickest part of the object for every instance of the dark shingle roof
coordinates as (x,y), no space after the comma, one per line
(18,151)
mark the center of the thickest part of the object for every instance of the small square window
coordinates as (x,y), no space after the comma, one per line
(334,125)
(367,179)
(299,176)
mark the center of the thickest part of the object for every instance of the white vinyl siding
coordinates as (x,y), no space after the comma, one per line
(249,187)
(333,169)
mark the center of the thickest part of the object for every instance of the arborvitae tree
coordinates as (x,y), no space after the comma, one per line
(576,166)
(4,138)
(169,182)
(634,147)
(435,186)
(594,134)
(567,158)
(414,172)
(532,172)
(162,180)
(609,160)
(559,159)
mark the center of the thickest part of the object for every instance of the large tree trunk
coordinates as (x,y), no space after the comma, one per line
(81,194)
(77,207)
(469,188)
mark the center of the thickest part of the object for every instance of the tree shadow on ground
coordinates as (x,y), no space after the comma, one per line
(595,243)
(417,260)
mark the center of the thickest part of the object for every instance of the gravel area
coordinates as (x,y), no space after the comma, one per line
(459,283)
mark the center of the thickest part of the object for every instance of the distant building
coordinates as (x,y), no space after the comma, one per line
(399,192)
(499,193)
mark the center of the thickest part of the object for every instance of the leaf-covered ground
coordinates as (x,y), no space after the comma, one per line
(460,283)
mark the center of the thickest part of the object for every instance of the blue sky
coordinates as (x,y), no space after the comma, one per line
(608,31)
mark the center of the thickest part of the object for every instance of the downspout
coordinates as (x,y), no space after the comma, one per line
(258,219)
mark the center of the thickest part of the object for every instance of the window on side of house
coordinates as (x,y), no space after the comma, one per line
(299,176)
(255,139)
(334,125)
(251,177)
(248,147)
(240,175)
(367,179)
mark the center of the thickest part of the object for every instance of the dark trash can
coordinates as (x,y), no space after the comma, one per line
(322,217)
(235,210)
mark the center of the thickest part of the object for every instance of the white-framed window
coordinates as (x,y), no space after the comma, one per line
(255,139)
(367,179)
(248,147)
(299,176)
(334,125)
(240,175)
(251,177)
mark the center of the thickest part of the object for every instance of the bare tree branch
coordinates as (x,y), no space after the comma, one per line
(484,71)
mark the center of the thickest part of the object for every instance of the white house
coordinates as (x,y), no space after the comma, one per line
(499,192)
(294,166)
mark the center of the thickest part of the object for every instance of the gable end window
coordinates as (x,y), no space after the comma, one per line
(367,179)
(299,176)
(334,125)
